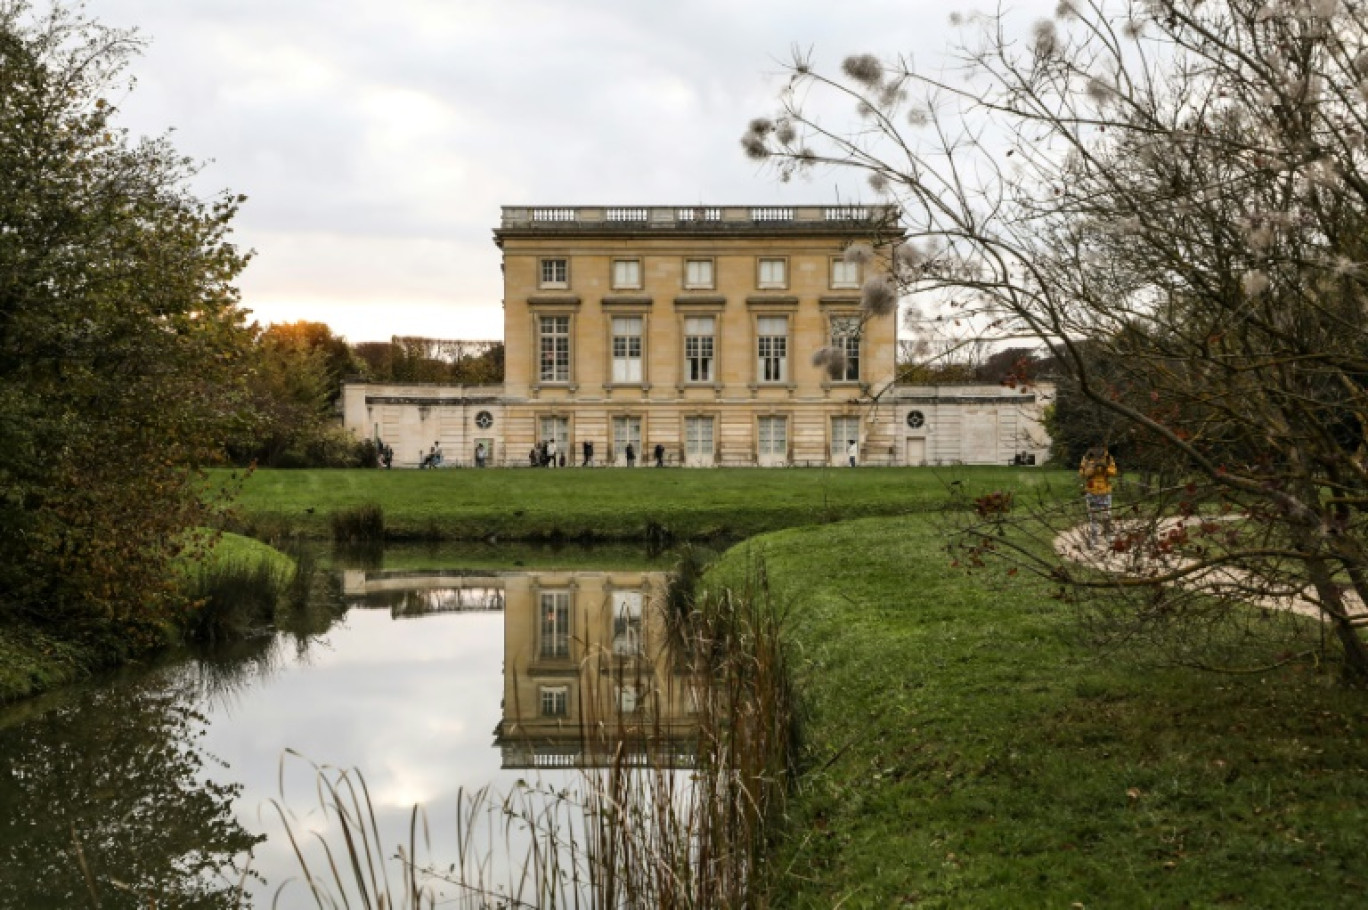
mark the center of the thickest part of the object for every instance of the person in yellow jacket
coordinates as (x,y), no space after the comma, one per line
(1096,471)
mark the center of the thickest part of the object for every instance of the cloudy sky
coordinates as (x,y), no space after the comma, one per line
(376,141)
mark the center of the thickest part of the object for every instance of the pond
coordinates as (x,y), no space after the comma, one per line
(440,677)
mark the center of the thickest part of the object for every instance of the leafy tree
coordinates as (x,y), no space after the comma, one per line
(121,345)
(295,381)
(415,359)
(1170,196)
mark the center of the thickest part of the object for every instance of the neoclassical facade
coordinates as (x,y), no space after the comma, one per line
(691,329)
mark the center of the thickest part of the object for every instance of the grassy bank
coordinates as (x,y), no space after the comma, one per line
(962,748)
(607,504)
(33,660)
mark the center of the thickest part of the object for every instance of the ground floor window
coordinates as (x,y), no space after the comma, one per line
(626,432)
(557,430)
(773,433)
(843,430)
(555,624)
(627,637)
(698,435)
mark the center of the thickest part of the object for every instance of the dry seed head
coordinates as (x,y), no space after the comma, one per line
(863,68)
(1046,38)
(878,297)
(1254,283)
(858,253)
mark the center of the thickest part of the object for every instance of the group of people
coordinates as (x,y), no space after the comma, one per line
(433,459)
(547,454)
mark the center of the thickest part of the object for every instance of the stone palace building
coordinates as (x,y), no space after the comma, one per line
(693,328)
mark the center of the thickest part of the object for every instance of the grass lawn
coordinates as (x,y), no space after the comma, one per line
(963,749)
(607,503)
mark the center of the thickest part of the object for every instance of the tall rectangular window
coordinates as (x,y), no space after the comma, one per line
(772,348)
(845,274)
(698,436)
(626,349)
(555,273)
(626,432)
(845,337)
(555,348)
(698,274)
(773,433)
(844,430)
(555,701)
(557,430)
(627,641)
(626,274)
(555,624)
(773,273)
(699,335)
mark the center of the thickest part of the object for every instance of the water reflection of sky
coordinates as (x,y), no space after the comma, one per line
(408,687)
(412,703)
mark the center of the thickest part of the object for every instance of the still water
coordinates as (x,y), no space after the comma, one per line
(177,783)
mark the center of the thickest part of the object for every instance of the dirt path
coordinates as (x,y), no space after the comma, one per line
(1228,581)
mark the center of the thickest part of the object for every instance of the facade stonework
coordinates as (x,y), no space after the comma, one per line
(692,329)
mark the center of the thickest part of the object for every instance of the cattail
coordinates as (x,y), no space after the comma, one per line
(864,68)
(879,297)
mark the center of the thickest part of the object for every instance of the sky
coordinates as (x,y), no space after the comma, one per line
(377,141)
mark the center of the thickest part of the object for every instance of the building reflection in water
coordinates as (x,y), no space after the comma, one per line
(591,676)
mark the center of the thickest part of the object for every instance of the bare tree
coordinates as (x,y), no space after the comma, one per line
(1174,188)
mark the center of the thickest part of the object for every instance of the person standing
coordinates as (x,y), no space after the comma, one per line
(480,455)
(551,453)
(631,456)
(1096,471)
(852,451)
(659,455)
(588,453)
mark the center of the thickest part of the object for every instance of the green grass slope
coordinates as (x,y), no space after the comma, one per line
(612,504)
(963,749)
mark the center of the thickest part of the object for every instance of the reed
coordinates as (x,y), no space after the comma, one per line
(360,524)
(232,598)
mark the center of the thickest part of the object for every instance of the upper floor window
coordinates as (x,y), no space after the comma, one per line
(845,337)
(845,274)
(626,349)
(772,348)
(555,273)
(555,701)
(626,274)
(555,348)
(698,274)
(699,341)
(773,273)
